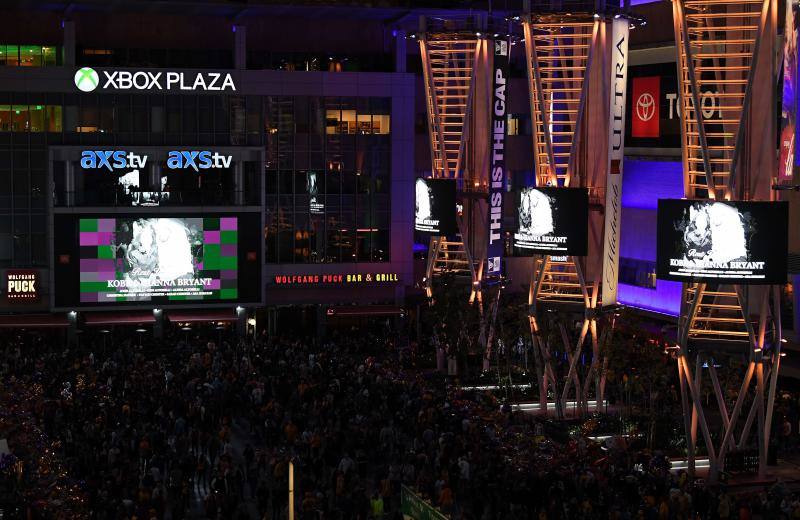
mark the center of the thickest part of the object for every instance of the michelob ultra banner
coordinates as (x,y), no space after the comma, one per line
(616,150)
(497,163)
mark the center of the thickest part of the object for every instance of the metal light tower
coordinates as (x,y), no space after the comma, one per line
(454,62)
(576,57)
(727,47)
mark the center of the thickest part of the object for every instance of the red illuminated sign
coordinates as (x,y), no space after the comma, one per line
(645,113)
(334,279)
(22,285)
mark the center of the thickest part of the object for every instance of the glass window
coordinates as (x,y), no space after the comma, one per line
(5,118)
(173,109)
(37,118)
(344,142)
(6,248)
(49,56)
(30,56)
(190,122)
(22,248)
(641,273)
(20,118)
(12,56)
(30,118)
(53,117)
(89,119)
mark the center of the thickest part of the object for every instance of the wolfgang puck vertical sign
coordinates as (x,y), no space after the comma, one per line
(22,285)
(616,149)
(497,164)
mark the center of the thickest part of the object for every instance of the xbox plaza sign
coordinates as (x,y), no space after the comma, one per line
(88,79)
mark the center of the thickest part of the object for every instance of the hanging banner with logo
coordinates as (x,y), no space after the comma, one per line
(616,150)
(790,95)
(497,164)
(645,118)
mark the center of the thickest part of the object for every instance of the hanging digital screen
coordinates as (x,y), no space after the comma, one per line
(731,242)
(552,221)
(435,206)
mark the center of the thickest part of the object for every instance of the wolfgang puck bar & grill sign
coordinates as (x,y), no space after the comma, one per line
(22,285)
(335,279)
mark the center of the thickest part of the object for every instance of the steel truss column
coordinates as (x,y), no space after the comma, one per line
(560,56)
(718,48)
(558,282)
(718,44)
(765,369)
(450,61)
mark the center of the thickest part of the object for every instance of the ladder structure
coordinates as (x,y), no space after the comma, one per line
(721,47)
(558,57)
(453,53)
(717,42)
(564,50)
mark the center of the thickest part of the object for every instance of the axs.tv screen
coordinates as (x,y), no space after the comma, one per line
(158,259)
(731,242)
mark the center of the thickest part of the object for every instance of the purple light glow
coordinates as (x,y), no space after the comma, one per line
(666,298)
(643,183)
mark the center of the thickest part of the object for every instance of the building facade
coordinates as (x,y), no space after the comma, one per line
(310,150)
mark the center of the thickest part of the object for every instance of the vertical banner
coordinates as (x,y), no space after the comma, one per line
(646,109)
(788,135)
(497,165)
(616,150)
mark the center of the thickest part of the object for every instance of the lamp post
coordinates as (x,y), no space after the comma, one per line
(291,490)
(105,333)
(186,330)
(140,331)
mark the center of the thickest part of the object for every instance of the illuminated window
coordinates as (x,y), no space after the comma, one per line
(11,56)
(519,124)
(53,113)
(30,118)
(348,122)
(513,125)
(20,120)
(344,142)
(29,56)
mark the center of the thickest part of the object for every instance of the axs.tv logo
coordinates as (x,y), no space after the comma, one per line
(176,160)
(88,80)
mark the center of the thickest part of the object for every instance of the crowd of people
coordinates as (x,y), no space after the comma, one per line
(209,429)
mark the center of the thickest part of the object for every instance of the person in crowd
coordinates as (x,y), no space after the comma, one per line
(201,429)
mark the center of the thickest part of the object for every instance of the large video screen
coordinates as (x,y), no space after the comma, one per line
(552,221)
(731,242)
(157,259)
(435,206)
